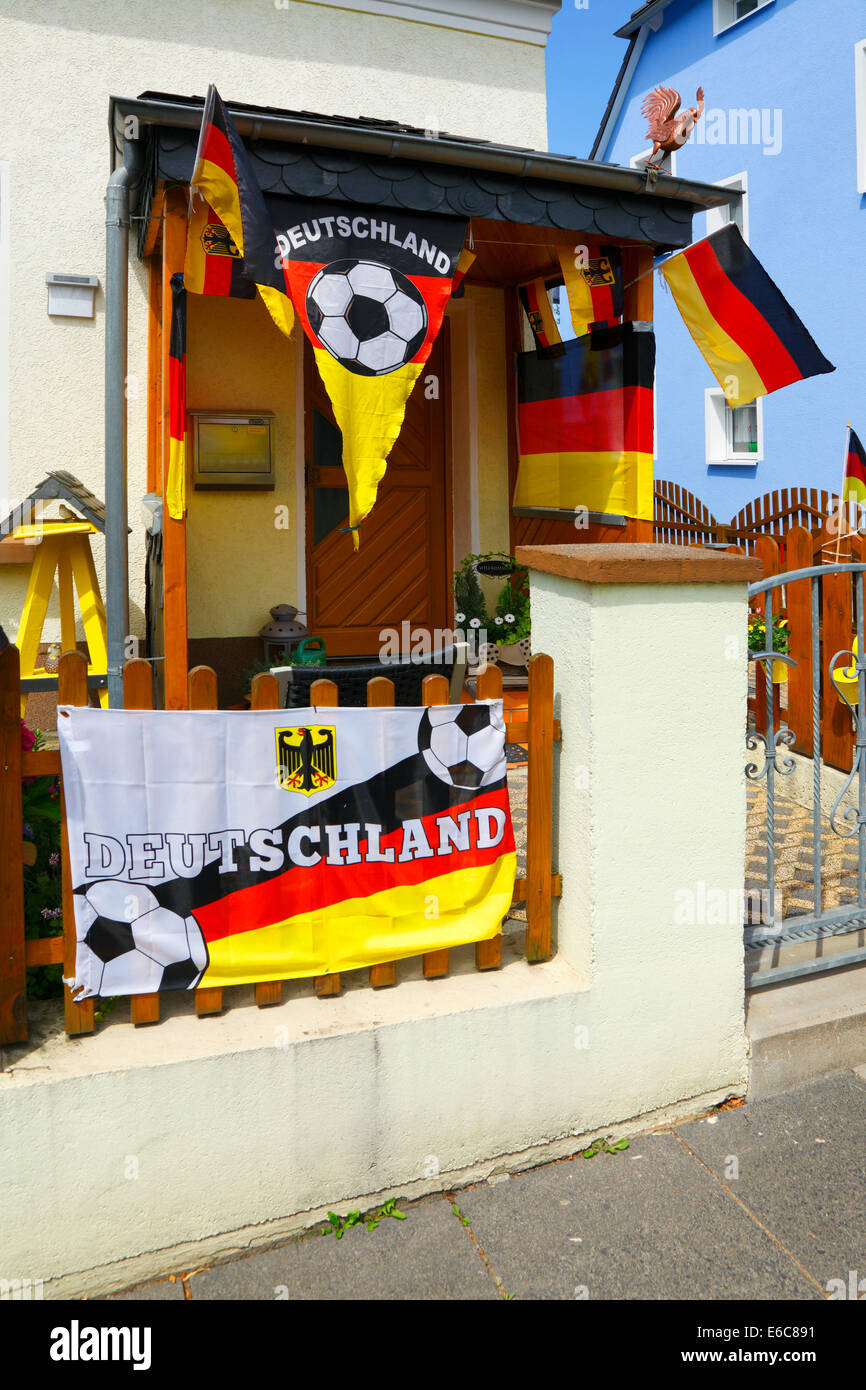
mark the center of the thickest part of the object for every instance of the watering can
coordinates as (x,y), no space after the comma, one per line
(310,652)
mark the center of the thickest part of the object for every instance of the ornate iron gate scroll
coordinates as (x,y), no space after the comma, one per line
(818,923)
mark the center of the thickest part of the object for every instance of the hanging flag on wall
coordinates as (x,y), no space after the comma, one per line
(854,480)
(370,814)
(370,286)
(539,310)
(175,491)
(465,262)
(214,265)
(224,177)
(752,340)
(585,421)
(595,290)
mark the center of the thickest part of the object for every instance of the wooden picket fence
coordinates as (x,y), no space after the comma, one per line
(536,888)
(681,518)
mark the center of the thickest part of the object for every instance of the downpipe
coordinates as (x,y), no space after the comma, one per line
(117,221)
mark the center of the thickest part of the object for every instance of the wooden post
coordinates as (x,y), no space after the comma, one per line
(174,611)
(325,693)
(71,690)
(798,555)
(265,694)
(203,695)
(154,375)
(138,694)
(13,970)
(539,808)
(434,691)
(380,695)
(488,686)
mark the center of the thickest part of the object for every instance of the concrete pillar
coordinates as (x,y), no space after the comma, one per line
(650,684)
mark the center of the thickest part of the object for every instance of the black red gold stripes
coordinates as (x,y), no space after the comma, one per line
(855,470)
(748,333)
(176,483)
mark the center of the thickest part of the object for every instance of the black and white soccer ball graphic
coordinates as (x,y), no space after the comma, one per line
(464,748)
(132,945)
(368,316)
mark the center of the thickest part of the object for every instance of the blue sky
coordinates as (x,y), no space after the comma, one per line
(583,59)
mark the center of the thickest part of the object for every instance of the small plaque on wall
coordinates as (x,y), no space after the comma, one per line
(232,451)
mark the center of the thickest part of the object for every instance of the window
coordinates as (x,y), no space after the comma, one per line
(738,213)
(728,12)
(860,107)
(669,163)
(733,436)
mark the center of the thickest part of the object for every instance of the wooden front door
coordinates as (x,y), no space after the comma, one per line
(401,571)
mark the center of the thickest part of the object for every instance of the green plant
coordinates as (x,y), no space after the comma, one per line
(758,634)
(259,668)
(604,1146)
(457,1212)
(338,1225)
(509,621)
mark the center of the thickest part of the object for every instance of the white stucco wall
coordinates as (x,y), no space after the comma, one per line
(58,65)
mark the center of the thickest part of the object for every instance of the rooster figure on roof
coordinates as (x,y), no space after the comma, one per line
(667,130)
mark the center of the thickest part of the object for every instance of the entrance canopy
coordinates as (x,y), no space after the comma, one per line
(389,165)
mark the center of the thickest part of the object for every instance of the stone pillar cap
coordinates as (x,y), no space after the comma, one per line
(641,564)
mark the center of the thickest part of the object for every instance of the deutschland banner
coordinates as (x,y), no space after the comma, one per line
(224,177)
(539,311)
(585,422)
(216,848)
(175,492)
(370,286)
(751,338)
(214,265)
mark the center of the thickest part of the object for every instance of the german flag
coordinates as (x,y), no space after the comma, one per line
(225,178)
(585,421)
(539,311)
(214,265)
(751,338)
(593,282)
(175,491)
(464,265)
(854,486)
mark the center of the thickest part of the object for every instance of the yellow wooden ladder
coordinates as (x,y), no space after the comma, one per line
(65,551)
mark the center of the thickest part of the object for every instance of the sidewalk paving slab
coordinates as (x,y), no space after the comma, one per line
(161,1290)
(427,1256)
(802,1166)
(645,1223)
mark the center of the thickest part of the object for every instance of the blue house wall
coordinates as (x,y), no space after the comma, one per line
(794,61)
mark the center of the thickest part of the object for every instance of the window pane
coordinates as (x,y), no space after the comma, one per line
(744,429)
(744,7)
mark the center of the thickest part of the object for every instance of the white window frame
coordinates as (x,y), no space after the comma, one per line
(4,331)
(725,15)
(638,161)
(718,424)
(860,111)
(720,217)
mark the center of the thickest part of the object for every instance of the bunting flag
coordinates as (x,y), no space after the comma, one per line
(175,491)
(539,311)
(464,265)
(388,835)
(594,289)
(854,481)
(585,421)
(214,265)
(224,177)
(752,340)
(370,286)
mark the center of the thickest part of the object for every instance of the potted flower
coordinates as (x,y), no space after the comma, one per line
(508,626)
(781,643)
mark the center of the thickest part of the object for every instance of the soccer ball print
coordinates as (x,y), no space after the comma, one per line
(128,944)
(463,747)
(371,318)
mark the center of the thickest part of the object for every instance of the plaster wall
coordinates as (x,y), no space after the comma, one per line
(58,66)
